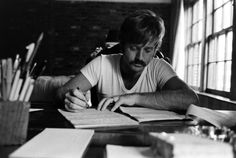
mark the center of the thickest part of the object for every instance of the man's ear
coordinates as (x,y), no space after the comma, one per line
(121,47)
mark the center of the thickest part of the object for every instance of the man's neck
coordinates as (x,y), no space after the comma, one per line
(129,76)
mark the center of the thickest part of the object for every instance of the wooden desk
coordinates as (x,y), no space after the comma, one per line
(135,136)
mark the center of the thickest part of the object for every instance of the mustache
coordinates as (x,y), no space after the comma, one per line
(137,61)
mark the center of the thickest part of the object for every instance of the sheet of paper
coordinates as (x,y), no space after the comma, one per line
(55,143)
(92,118)
(146,114)
(115,151)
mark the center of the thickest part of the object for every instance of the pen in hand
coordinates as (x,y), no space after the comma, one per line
(82,96)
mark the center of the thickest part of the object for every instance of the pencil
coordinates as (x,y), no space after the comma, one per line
(14,85)
(9,77)
(16,94)
(29,91)
(25,87)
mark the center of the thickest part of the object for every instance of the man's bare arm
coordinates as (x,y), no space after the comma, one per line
(79,81)
(175,95)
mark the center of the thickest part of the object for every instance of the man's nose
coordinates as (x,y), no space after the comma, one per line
(139,54)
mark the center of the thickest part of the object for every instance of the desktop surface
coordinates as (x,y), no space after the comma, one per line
(49,117)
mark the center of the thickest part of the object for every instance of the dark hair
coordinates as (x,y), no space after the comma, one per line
(141,27)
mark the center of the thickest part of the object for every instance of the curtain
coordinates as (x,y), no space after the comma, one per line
(178,38)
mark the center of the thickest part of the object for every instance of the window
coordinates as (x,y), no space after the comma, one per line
(208,47)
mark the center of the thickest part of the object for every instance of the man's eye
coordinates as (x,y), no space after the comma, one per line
(149,50)
(133,48)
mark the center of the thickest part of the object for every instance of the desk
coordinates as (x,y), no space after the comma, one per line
(133,136)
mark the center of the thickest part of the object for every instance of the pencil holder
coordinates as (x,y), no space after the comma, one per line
(14,118)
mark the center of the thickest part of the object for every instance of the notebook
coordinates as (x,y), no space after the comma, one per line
(55,143)
(92,118)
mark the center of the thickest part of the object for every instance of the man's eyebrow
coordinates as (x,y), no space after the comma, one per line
(149,47)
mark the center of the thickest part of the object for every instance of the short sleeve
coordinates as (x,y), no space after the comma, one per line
(163,73)
(92,70)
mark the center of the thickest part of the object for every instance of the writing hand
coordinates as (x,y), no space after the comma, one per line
(76,100)
(127,99)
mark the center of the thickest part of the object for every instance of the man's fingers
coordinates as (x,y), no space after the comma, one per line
(79,94)
(101,103)
(107,103)
(76,101)
(71,106)
(117,105)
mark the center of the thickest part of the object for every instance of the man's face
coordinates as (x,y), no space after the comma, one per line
(137,56)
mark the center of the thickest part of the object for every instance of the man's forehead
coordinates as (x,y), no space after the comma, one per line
(148,44)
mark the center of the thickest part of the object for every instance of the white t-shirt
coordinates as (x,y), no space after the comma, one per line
(104,72)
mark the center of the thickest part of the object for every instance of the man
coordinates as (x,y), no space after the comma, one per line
(134,77)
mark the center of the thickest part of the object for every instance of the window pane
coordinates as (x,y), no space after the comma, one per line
(195,12)
(200,30)
(209,6)
(190,75)
(220,76)
(218,3)
(199,75)
(228,76)
(194,33)
(221,48)
(190,56)
(195,73)
(218,20)
(229,46)
(200,9)
(212,52)
(199,53)
(209,25)
(227,15)
(211,78)
(189,17)
(195,55)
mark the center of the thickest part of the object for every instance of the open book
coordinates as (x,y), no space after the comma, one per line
(132,116)
(217,118)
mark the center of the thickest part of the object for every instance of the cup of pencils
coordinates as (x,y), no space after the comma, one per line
(16,84)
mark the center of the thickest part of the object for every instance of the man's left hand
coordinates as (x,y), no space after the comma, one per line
(127,99)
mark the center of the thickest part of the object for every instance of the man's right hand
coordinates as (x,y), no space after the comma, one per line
(76,100)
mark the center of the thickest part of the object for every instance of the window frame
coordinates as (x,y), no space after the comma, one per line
(203,68)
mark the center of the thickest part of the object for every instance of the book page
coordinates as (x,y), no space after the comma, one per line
(115,151)
(91,118)
(214,117)
(146,114)
(55,143)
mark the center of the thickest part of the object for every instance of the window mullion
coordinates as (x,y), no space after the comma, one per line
(203,77)
(233,68)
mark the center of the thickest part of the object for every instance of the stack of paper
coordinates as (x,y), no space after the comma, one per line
(91,118)
(116,151)
(180,145)
(146,114)
(55,143)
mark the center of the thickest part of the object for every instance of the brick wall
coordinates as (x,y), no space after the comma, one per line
(72,29)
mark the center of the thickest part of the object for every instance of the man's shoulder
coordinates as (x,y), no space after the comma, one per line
(157,61)
(110,57)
